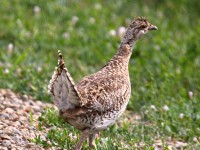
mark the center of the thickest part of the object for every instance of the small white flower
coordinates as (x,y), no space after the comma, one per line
(137,117)
(19,70)
(36,10)
(6,71)
(112,33)
(66,35)
(146,111)
(178,71)
(195,139)
(165,108)
(153,107)
(157,47)
(39,69)
(92,20)
(28,34)
(181,115)
(72,137)
(121,31)
(10,48)
(105,139)
(97,6)
(74,20)
(190,94)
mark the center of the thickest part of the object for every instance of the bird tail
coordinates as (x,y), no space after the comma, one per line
(61,87)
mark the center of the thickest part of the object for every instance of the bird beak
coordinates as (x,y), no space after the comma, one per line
(152,27)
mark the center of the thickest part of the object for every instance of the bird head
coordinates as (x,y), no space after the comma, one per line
(137,28)
(142,26)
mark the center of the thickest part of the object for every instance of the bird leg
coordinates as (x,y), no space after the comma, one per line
(80,143)
(91,140)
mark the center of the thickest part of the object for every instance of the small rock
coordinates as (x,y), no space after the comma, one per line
(27,108)
(31,135)
(29,145)
(8,104)
(10,130)
(32,128)
(16,131)
(18,139)
(22,118)
(30,102)
(6,122)
(3,148)
(14,117)
(39,103)
(5,136)
(1,127)
(16,124)
(20,112)
(19,101)
(6,143)
(36,108)
(4,116)
(9,110)
(2,106)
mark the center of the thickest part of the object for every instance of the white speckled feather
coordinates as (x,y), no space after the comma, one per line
(62,88)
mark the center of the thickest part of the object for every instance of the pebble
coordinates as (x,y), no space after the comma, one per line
(5,136)
(14,117)
(6,143)
(16,124)
(16,127)
(9,110)
(23,118)
(16,131)
(1,127)
(4,116)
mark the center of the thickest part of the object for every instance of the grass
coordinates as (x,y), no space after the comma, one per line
(164,68)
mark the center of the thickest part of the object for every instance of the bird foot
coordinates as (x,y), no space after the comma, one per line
(84,135)
(93,146)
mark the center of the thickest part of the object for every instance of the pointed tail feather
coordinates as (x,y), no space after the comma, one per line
(61,87)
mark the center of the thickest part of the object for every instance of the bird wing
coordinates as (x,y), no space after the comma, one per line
(103,92)
(61,87)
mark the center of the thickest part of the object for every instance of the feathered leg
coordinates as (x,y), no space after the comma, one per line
(92,137)
(80,143)
(91,141)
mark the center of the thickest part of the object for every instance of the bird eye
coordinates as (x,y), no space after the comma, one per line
(143,26)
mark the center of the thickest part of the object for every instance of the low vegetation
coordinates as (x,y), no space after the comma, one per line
(164,68)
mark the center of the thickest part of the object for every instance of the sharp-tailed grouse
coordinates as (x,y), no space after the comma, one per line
(94,103)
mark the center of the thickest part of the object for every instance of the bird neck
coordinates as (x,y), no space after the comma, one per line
(125,49)
(124,52)
(121,58)
(130,37)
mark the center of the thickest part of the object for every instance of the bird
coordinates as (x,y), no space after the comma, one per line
(98,100)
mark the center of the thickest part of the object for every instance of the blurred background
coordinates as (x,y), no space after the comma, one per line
(164,67)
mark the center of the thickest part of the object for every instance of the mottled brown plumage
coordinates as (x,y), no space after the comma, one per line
(99,99)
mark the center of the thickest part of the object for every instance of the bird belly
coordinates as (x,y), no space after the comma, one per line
(96,121)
